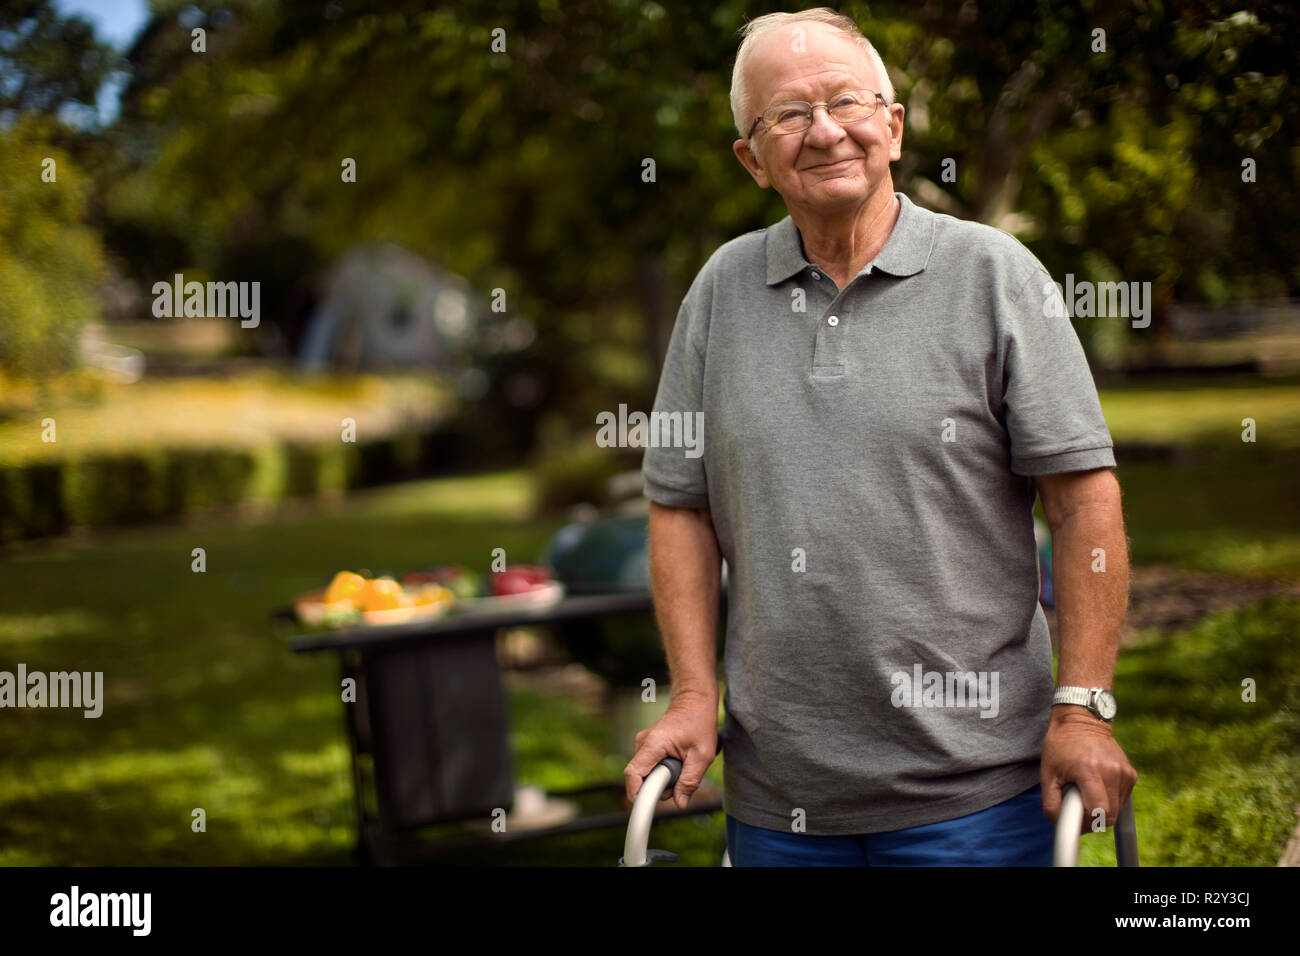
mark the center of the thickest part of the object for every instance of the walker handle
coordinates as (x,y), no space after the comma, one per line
(1070,822)
(659,780)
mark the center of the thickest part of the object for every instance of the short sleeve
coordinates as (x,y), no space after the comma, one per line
(1050,405)
(675,476)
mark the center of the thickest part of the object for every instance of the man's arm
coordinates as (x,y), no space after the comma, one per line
(685,575)
(1085,514)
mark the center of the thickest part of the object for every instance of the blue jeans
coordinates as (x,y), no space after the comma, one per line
(1012,833)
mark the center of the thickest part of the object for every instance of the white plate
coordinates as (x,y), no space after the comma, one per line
(545,596)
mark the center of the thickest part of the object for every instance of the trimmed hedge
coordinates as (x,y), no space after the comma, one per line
(38,499)
(580,474)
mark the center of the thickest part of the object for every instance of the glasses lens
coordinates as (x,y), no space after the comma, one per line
(853,106)
(789,117)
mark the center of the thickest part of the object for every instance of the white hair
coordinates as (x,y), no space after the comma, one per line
(741,110)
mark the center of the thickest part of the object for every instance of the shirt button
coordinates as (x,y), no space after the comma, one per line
(817,275)
(833,320)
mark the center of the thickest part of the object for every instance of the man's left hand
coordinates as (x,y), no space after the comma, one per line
(1080,749)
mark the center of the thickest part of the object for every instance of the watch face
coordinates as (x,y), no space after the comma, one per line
(1106,705)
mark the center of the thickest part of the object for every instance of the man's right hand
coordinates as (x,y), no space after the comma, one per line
(688,730)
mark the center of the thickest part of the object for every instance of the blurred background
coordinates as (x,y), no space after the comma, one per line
(459,250)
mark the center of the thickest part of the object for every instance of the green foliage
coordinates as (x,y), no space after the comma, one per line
(44,497)
(50,62)
(522,170)
(1125,163)
(31,501)
(579,474)
(1218,776)
(49,260)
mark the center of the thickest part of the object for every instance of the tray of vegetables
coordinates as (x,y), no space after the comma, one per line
(353,597)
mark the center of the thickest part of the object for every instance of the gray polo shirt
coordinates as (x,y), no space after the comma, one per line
(866,455)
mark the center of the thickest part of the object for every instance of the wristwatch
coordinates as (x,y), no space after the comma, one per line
(1097,699)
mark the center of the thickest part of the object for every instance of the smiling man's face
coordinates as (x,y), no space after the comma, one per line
(827,168)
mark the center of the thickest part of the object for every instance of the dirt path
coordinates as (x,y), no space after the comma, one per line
(1161,597)
(1291,855)
(1167,598)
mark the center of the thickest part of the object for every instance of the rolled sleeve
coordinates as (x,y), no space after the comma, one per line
(1052,413)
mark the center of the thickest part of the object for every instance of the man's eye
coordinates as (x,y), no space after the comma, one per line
(788,114)
(845,99)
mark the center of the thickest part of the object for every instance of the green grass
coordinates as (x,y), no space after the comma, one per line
(1190,411)
(1219,778)
(204,705)
(245,411)
(1222,512)
(1225,505)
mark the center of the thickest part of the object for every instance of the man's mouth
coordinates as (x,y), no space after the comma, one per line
(834,165)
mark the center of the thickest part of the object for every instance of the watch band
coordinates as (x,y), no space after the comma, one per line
(1073,695)
(1099,701)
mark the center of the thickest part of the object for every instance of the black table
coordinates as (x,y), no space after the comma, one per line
(429,729)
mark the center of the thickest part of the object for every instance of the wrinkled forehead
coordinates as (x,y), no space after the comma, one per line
(806,61)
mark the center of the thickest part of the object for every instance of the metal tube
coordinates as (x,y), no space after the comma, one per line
(1126,837)
(1070,823)
(643,812)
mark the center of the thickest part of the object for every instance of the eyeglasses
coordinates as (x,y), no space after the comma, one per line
(848,106)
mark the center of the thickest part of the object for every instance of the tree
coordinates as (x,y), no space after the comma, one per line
(48,61)
(49,259)
(1110,138)
(524,167)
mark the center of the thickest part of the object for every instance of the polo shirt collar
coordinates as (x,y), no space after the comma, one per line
(906,251)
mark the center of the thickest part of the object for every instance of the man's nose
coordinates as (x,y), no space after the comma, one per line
(824,131)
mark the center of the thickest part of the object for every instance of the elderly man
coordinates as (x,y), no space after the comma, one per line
(883,390)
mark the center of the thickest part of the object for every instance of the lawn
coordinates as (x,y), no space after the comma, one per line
(1219,777)
(247,410)
(205,707)
(1220,504)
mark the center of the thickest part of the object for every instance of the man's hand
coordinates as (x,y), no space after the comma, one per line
(688,730)
(1080,749)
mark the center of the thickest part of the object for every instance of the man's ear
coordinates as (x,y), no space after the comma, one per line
(747,159)
(896,112)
